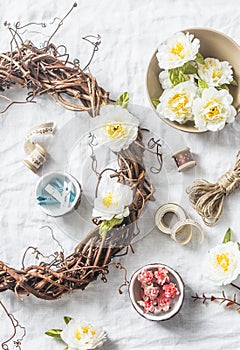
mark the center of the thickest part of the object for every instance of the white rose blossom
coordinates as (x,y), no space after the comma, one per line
(115,127)
(224,263)
(176,103)
(215,72)
(113,201)
(177,50)
(80,335)
(213,110)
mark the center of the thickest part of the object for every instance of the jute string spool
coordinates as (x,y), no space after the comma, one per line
(208,198)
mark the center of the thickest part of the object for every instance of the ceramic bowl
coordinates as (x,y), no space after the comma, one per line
(56,210)
(135,293)
(212,44)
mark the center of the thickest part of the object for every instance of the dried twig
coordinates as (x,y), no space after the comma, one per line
(16,325)
(229,302)
(43,71)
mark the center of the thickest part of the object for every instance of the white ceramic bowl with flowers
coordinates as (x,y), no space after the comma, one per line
(156,292)
(193,80)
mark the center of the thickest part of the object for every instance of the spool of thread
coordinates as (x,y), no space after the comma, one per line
(184,159)
(36,158)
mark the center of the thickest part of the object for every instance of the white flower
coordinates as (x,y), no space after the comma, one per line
(213,110)
(79,335)
(113,201)
(115,127)
(165,80)
(214,72)
(176,103)
(224,263)
(177,50)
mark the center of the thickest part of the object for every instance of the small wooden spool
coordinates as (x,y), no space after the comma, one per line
(184,159)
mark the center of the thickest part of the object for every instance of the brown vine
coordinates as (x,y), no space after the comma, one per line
(42,71)
(93,254)
(16,325)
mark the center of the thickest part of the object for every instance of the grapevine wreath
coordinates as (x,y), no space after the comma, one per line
(47,71)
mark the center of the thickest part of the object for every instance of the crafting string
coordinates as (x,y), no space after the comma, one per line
(208,198)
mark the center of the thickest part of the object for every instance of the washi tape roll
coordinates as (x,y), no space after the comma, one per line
(182,231)
(184,159)
(168,208)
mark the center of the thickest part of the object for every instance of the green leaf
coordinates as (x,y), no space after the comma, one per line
(228,236)
(66,348)
(199,58)
(234,82)
(107,225)
(55,333)
(189,68)
(176,76)
(155,102)
(123,100)
(223,86)
(67,319)
(238,245)
(202,84)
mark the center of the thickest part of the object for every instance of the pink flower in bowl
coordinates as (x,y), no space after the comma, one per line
(145,277)
(170,290)
(161,276)
(151,292)
(150,300)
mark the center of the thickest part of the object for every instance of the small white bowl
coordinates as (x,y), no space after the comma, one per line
(135,293)
(55,210)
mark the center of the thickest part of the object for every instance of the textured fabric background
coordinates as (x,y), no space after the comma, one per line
(130,30)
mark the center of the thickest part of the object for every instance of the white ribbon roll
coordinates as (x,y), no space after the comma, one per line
(36,153)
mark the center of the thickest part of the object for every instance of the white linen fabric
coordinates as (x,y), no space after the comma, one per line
(130,31)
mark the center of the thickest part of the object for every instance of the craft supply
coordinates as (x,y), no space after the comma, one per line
(182,231)
(35,144)
(169,208)
(36,156)
(58,193)
(184,159)
(207,198)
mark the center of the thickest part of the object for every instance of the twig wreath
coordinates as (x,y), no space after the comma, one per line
(46,70)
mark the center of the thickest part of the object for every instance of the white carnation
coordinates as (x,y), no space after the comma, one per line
(80,335)
(224,263)
(113,201)
(176,103)
(177,50)
(213,110)
(215,72)
(115,127)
